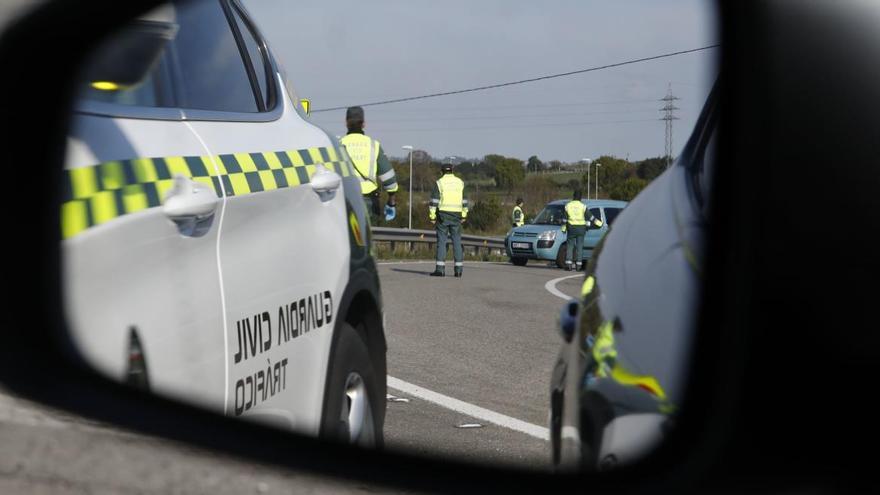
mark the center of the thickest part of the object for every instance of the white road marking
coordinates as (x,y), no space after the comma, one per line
(551,287)
(419,262)
(470,409)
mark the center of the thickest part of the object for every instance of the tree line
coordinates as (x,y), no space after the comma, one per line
(494,182)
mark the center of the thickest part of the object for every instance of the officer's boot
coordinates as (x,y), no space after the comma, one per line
(458,271)
(578,266)
(439,271)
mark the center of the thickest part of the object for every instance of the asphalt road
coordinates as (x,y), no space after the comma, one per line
(45,451)
(486,340)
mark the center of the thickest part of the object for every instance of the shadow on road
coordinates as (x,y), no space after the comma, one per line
(417,272)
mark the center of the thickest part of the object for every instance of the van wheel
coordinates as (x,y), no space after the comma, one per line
(519,261)
(560,255)
(350,410)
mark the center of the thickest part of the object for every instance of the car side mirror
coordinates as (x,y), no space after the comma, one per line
(135,50)
(568,317)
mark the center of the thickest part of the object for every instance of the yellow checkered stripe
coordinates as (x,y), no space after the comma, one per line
(100,193)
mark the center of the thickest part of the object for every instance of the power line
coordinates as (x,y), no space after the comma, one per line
(523,81)
(453,108)
(512,117)
(526,126)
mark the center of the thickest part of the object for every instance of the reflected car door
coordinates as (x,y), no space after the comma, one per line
(130,271)
(284,247)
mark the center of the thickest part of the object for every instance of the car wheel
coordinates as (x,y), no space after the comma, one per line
(350,413)
(560,255)
(519,261)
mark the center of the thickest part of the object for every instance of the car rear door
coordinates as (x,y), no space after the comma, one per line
(136,266)
(284,249)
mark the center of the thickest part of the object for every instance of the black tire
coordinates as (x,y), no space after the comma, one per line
(518,261)
(560,255)
(351,379)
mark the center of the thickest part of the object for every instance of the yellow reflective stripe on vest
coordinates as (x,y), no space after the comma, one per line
(575,210)
(97,194)
(604,350)
(364,153)
(624,377)
(451,193)
(589,283)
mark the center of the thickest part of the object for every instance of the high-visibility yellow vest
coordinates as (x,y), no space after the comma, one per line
(364,153)
(520,219)
(576,210)
(451,193)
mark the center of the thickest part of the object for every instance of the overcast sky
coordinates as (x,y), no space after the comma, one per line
(346,52)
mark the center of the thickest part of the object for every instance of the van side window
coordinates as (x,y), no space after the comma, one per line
(212,72)
(596,213)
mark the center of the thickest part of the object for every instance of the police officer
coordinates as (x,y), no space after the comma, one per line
(448,198)
(576,226)
(518,219)
(371,164)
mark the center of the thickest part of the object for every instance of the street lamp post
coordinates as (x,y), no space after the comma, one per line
(597,180)
(588,162)
(409,198)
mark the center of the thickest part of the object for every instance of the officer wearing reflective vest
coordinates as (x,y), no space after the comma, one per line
(448,209)
(371,165)
(517,218)
(576,225)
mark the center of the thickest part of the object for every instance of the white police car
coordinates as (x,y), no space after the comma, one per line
(215,242)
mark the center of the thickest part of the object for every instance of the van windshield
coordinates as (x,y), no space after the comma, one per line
(551,215)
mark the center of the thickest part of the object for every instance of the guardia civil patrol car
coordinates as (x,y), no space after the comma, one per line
(215,244)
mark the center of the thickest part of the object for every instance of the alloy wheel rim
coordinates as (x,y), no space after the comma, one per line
(356,412)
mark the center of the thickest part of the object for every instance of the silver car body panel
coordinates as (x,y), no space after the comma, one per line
(648,282)
(626,438)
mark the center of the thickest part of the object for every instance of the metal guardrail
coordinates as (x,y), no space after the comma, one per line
(475,242)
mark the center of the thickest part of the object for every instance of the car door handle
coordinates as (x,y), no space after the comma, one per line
(325,182)
(191,205)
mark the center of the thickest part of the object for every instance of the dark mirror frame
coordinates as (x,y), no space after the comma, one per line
(792,350)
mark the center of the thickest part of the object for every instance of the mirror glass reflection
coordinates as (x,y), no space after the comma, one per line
(232,243)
